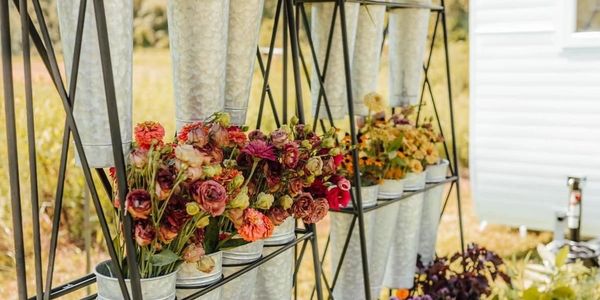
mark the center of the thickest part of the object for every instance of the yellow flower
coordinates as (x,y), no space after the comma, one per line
(375,102)
(415,166)
(418,155)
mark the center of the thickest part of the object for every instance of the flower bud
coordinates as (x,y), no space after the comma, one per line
(264,201)
(335,151)
(211,171)
(286,201)
(294,120)
(310,179)
(223,119)
(241,200)
(229,163)
(328,143)
(192,208)
(237,181)
(306,144)
(203,222)
(206,264)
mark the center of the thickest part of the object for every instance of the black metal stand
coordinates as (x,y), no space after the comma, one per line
(294,14)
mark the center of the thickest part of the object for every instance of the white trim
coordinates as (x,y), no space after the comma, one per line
(568,37)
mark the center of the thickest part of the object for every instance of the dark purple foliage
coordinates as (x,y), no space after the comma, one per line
(458,277)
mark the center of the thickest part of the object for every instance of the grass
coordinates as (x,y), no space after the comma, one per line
(153,94)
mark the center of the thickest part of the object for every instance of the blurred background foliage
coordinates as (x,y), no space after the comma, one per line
(152,93)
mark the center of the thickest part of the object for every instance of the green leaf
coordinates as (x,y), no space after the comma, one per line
(232,243)
(211,236)
(531,293)
(163,258)
(561,256)
(563,292)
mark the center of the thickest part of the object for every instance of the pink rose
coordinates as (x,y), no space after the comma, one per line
(319,210)
(190,156)
(256,135)
(211,196)
(344,184)
(295,186)
(279,137)
(302,207)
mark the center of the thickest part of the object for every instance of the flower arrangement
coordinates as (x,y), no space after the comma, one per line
(217,187)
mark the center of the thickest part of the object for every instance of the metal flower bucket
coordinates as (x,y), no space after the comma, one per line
(283,234)
(408,30)
(275,278)
(198,42)
(437,172)
(391,188)
(402,260)
(368,195)
(432,209)
(241,287)
(90,109)
(190,280)
(335,78)
(367,54)
(156,288)
(414,181)
(244,28)
(383,232)
(243,254)
(350,281)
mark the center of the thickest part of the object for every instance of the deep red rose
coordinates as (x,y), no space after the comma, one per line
(144,233)
(139,203)
(318,188)
(337,198)
(338,160)
(211,196)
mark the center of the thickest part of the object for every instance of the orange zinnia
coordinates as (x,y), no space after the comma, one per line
(402,294)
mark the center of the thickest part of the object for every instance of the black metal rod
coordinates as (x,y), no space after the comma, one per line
(358,208)
(33,184)
(13,158)
(439,124)
(446,200)
(453,131)
(284,91)
(391,5)
(294,46)
(261,66)
(70,287)
(267,72)
(115,134)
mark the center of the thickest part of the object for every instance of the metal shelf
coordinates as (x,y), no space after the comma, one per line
(390,5)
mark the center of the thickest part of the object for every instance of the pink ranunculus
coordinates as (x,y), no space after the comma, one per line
(256,135)
(290,155)
(138,157)
(259,149)
(256,226)
(211,196)
(167,233)
(277,215)
(320,207)
(165,180)
(139,203)
(192,253)
(190,156)
(144,233)
(279,138)
(302,207)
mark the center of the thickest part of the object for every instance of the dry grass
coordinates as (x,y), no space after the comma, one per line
(153,95)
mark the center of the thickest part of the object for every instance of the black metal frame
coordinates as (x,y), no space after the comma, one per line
(294,14)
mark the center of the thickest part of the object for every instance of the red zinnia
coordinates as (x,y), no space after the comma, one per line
(148,133)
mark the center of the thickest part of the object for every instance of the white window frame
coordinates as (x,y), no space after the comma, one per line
(568,36)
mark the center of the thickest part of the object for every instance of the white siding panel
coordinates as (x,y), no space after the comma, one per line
(535,115)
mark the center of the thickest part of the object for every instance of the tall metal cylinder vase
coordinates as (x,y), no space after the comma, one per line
(350,280)
(244,27)
(90,110)
(402,260)
(198,41)
(191,280)
(237,259)
(275,277)
(335,78)
(432,209)
(408,30)
(383,233)
(367,54)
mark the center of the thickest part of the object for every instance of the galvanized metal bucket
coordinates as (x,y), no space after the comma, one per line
(408,30)
(275,277)
(391,188)
(350,280)
(437,172)
(241,287)
(190,279)
(198,42)
(243,254)
(414,181)
(283,234)
(156,288)
(432,209)
(367,54)
(383,232)
(244,28)
(216,294)
(368,195)
(90,111)
(402,261)
(335,79)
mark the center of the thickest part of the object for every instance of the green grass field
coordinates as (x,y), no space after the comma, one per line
(153,100)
